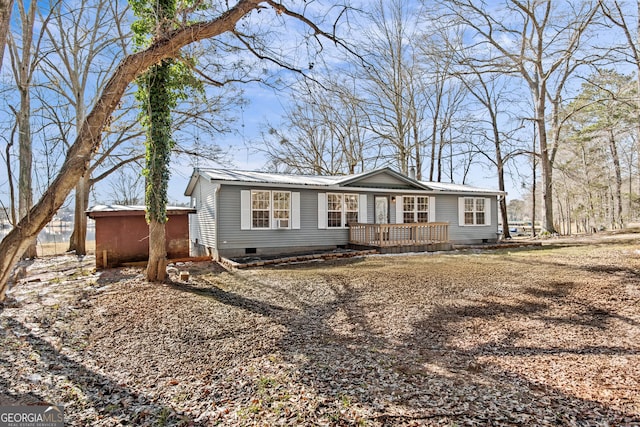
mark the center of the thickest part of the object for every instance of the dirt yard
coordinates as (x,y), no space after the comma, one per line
(546,336)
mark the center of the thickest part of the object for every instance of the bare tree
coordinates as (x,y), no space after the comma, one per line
(303,144)
(446,93)
(391,79)
(494,95)
(541,42)
(83,41)
(617,14)
(25,56)
(128,186)
(77,68)
(323,131)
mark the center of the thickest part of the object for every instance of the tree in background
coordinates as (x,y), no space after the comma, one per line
(25,54)
(218,22)
(390,81)
(629,50)
(324,131)
(542,42)
(602,128)
(83,41)
(446,95)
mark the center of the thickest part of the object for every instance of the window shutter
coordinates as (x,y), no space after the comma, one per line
(322,210)
(399,210)
(461,211)
(245,210)
(362,209)
(487,211)
(432,209)
(295,211)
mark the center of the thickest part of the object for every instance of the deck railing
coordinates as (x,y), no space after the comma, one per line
(419,233)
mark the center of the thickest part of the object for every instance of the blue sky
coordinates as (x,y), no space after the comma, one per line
(266,105)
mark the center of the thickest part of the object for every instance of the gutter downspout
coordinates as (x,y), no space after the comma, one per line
(216,255)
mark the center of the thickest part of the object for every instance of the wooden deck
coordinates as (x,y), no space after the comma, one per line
(390,235)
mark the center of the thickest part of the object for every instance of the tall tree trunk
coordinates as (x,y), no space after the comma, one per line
(534,185)
(617,213)
(22,63)
(418,157)
(503,200)
(25,186)
(434,139)
(6,7)
(159,144)
(439,159)
(77,241)
(157,266)
(547,169)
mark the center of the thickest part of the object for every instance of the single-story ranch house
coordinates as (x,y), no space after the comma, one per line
(240,212)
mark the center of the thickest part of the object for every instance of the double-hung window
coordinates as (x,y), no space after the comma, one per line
(350,208)
(475,211)
(342,209)
(334,210)
(260,209)
(270,209)
(415,209)
(282,209)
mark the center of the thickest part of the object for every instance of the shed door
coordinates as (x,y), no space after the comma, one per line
(382,210)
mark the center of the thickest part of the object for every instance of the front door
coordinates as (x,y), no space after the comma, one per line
(382,210)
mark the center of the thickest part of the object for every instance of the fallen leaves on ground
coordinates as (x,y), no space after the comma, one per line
(546,336)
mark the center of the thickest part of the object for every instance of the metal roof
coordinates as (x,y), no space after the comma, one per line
(269,178)
(104,209)
(459,188)
(240,176)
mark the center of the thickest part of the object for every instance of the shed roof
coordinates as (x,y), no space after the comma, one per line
(130,210)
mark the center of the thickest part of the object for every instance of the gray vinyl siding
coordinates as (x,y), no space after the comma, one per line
(447,211)
(203,222)
(380,181)
(232,241)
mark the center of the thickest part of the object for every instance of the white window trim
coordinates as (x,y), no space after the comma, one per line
(323,209)
(251,209)
(342,206)
(345,210)
(273,218)
(487,211)
(246,210)
(400,208)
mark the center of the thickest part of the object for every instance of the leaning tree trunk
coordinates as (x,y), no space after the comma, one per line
(87,142)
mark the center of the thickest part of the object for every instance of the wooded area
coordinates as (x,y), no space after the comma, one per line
(539,92)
